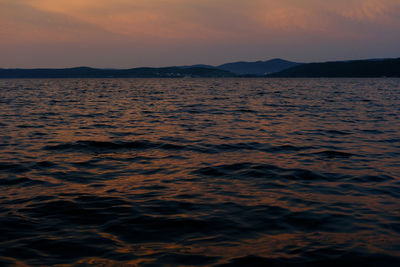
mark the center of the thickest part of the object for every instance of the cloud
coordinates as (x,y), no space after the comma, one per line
(369,11)
(187,27)
(221,20)
(173,19)
(22,23)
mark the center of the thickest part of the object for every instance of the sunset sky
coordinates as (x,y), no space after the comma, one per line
(132,33)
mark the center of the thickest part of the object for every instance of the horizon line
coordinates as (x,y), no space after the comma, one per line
(199,64)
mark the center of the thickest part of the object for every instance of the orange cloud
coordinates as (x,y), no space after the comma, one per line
(373,11)
(267,25)
(158,18)
(209,20)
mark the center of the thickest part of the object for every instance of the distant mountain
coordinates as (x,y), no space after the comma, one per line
(196,66)
(368,59)
(270,68)
(355,68)
(86,72)
(259,67)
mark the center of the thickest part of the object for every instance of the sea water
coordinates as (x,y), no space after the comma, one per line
(202,172)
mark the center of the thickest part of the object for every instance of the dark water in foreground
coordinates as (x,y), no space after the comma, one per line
(200,172)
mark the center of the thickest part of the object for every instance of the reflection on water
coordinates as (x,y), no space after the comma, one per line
(200,171)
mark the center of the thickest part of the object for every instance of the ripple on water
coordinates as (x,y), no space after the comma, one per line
(206,172)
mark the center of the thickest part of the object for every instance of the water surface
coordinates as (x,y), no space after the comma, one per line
(200,172)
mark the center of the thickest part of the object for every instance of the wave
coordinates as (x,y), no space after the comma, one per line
(105,146)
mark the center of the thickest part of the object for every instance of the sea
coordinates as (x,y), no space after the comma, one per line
(200,172)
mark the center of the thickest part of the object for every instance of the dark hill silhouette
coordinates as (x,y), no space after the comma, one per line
(86,72)
(355,68)
(259,67)
(196,66)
